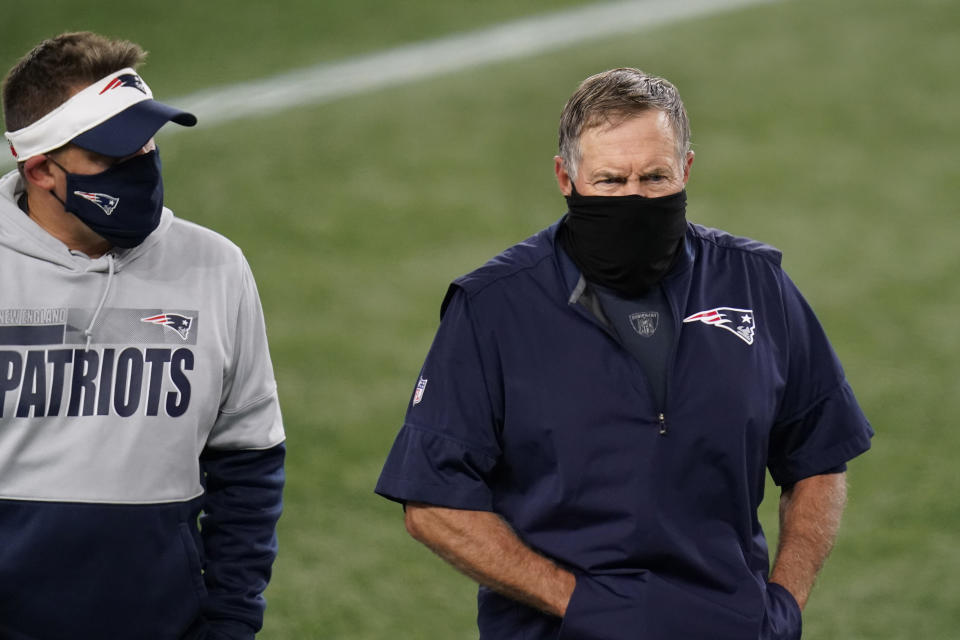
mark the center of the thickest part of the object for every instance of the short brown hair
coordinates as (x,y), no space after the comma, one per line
(614,95)
(57,68)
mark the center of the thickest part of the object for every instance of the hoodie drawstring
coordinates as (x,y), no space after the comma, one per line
(106,291)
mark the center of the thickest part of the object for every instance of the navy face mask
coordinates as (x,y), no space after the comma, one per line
(625,243)
(122,204)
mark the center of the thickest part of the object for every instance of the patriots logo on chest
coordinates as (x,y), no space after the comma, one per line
(173,321)
(740,322)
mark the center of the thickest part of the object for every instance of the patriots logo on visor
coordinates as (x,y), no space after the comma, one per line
(739,322)
(126,80)
(106,202)
(172,321)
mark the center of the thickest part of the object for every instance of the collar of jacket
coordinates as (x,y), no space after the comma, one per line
(575,284)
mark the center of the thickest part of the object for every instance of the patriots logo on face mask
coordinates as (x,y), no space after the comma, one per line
(126,80)
(106,202)
(172,321)
(739,322)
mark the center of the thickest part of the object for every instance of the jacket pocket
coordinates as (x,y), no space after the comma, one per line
(782,619)
(644,605)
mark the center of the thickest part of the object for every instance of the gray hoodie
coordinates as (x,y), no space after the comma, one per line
(116,374)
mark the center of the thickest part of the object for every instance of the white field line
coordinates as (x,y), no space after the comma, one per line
(530,36)
(408,63)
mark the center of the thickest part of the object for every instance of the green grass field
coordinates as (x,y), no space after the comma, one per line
(823,128)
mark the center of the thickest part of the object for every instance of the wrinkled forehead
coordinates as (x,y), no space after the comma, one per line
(657,122)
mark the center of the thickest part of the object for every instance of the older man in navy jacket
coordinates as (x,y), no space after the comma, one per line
(589,435)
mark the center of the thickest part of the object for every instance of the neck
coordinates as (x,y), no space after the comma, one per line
(50,216)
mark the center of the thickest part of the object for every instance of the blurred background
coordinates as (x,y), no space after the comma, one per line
(826,129)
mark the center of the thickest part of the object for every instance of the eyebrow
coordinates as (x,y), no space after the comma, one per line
(656,171)
(601,174)
(607,173)
(99,158)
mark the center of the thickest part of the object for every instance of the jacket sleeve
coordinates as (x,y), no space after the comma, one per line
(820,425)
(447,448)
(242,470)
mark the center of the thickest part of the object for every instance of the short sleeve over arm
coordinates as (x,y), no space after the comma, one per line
(448,445)
(819,425)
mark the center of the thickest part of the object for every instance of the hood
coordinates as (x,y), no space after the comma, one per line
(19,233)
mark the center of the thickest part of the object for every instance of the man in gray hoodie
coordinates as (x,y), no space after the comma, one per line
(137,394)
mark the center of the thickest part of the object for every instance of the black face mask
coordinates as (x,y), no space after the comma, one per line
(122,204)
(624,243)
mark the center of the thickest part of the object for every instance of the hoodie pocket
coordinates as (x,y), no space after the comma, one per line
(194,564)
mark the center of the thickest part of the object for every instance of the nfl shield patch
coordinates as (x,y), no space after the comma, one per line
(645,322)
(418,394)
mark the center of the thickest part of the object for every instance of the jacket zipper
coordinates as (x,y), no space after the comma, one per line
(661,415)
(677,328)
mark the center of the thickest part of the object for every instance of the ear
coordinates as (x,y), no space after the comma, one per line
(687,163)
(37,172)
(563,178)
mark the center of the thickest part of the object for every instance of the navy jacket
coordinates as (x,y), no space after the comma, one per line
(529,407)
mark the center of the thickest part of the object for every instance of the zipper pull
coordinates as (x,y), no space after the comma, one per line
(663,424)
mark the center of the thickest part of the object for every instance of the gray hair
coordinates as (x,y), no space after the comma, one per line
(613,96)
